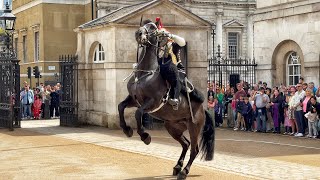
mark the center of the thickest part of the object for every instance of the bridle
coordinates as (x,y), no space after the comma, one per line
(149,33)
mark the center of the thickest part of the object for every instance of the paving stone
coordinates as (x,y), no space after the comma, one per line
(257,167)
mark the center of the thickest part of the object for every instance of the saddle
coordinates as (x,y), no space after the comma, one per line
(195,95)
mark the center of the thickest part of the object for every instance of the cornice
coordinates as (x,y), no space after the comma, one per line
(223,3)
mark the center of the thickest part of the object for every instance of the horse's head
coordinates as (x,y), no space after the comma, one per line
(147,34)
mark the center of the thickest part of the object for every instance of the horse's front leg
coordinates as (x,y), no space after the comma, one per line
(145,137)
(128,102)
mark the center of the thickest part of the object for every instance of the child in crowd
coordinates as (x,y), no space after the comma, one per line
(211,105)
(234,110)
(312,116)
(287,122)
(240,119)
(37,107)
(247,114)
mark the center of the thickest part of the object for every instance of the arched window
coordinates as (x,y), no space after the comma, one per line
(294,69)
(98,54)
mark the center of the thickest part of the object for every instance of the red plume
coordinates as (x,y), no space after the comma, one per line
(159,23)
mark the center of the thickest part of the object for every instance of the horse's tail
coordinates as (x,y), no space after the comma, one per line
(207,139)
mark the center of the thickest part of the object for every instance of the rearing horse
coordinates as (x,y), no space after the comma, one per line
(147,90)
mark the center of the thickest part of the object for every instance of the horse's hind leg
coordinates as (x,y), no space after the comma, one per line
(176,131)
(128,102)
(194,131)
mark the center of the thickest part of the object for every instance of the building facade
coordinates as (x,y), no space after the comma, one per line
(233,20)
(286,41)
(43,31)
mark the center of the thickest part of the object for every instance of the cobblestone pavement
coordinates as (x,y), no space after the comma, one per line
(254,165)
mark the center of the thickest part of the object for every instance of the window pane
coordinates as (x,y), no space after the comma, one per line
(233,45)
(296,70)
(24,46)
(296,79)
(99,53)
(291,80)
(16,45)
(36,46)
(102,56)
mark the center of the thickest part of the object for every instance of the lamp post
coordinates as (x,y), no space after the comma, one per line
(7,22)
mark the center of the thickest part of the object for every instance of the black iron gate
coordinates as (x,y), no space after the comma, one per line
(231,71)
(10,112)
(69,90)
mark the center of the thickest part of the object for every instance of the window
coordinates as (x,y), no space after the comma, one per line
(16,45)
(294,69)
(233,45)
(36,46)
(99,54)
(24,44)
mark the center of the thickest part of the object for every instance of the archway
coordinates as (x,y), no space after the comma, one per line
(281,58)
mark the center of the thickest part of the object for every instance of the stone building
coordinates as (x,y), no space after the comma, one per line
(44,30)
(233,19)
(107,49)
(287,41)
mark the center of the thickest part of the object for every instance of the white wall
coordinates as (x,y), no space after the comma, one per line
(266,3)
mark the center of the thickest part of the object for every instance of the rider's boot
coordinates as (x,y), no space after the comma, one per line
(180,67)
(174,101)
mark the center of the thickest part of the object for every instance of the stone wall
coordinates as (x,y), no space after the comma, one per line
(208,10)
(283,30)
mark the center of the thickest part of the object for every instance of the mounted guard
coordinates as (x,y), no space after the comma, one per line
(170,62)
(148,91)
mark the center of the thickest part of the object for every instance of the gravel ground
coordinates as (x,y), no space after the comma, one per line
(30,155)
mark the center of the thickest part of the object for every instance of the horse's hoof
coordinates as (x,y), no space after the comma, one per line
(176,170)
(128,131)
(182,176)
(146,138)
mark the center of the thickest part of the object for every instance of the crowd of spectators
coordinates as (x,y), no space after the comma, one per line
(292,110)
(34,101)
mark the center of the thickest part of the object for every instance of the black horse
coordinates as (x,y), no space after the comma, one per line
(147,91)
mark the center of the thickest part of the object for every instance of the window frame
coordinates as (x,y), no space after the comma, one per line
(36,46)
(294,65)
(237,45)
(16,41)
(99,54)
(24,47)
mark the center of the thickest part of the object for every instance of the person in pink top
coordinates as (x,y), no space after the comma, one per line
(211,104)
(37,107)
(305,102)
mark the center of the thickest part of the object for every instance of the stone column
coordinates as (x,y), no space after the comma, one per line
(250,36)
(219,29)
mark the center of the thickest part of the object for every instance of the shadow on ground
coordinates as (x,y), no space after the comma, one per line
(164,177)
